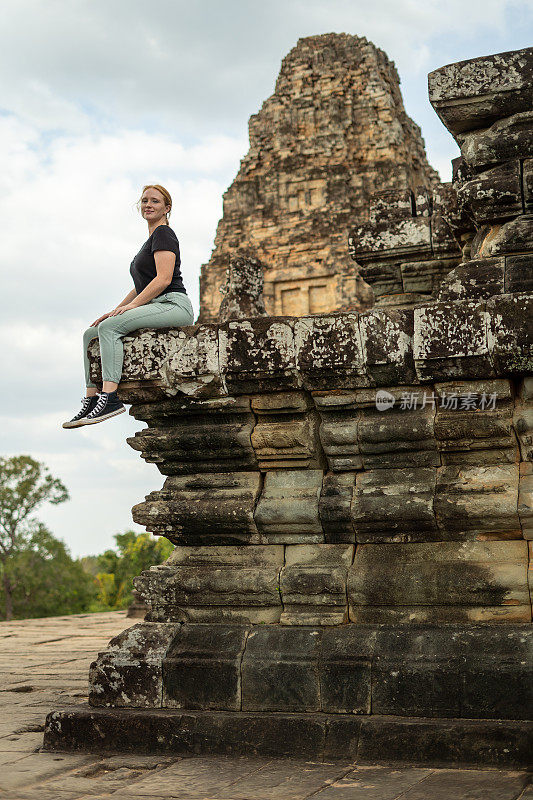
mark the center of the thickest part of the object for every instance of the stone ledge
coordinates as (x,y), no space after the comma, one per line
(446,670)
(469,423)
(381,739)
(449,340)
(474,514)
(475,93)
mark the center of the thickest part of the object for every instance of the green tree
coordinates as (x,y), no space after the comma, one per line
(46,581)
(114,570)
(25,484)
(110,594)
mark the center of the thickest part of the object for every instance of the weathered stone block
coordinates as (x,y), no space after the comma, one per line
(174,731)
(478,279)
(525,499)
(474,422)
(417,672)
(400,236)
(450,341)
(399,433)
(329,352)
(145,351)
(511,333)
(340,415)
(214,508)
(504,139)
(202,668)
(215,584)
(313,584)
(383,274)
(523,419)
(453,671)
(243,290)
(335,507)
(439,582)
(166,362)
(193,368)
(456,742)
(287,511)
(346,664)
(387,341)
(495,677)
(262,734)
(129,673)
(286,433)
(281,669)
(189,436)
(495,195)
(519,273)
(425,277)
(395,505)
(515,236)
(475,93)
(258,355)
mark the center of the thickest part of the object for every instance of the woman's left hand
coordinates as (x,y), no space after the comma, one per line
(121,309)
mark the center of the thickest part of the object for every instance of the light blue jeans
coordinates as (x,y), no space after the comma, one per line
(171,310)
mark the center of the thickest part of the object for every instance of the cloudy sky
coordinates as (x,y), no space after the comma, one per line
(99,97)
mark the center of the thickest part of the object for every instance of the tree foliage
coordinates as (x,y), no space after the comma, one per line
(37,575)
(46,581)
(114,570)
(25,484)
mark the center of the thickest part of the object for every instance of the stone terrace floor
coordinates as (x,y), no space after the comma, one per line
(44,664)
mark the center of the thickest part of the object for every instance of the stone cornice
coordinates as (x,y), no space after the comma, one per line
(454,340)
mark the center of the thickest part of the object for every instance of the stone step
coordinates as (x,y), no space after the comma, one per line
(324,737)
(448,671)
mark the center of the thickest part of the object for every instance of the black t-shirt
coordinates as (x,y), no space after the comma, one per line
(142,268)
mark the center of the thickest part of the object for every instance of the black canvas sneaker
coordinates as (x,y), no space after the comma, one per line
(108,405)
(88,404)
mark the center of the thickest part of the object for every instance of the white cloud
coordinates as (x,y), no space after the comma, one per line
(73,226)
(203,66)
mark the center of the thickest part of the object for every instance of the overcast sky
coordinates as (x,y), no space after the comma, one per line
(99,97)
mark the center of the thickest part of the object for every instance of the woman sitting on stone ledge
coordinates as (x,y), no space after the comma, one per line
(158,300)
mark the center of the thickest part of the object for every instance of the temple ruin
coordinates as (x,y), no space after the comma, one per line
(333,133)
(350,494)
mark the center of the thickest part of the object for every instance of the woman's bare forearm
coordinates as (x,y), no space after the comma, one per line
(129,297)
(154,288)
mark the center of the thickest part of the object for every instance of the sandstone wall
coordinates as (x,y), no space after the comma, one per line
(269,435)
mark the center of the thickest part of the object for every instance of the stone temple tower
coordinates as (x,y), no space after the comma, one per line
(333,134)
(350,495)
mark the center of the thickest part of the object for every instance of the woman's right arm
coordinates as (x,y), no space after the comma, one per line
(129,297)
